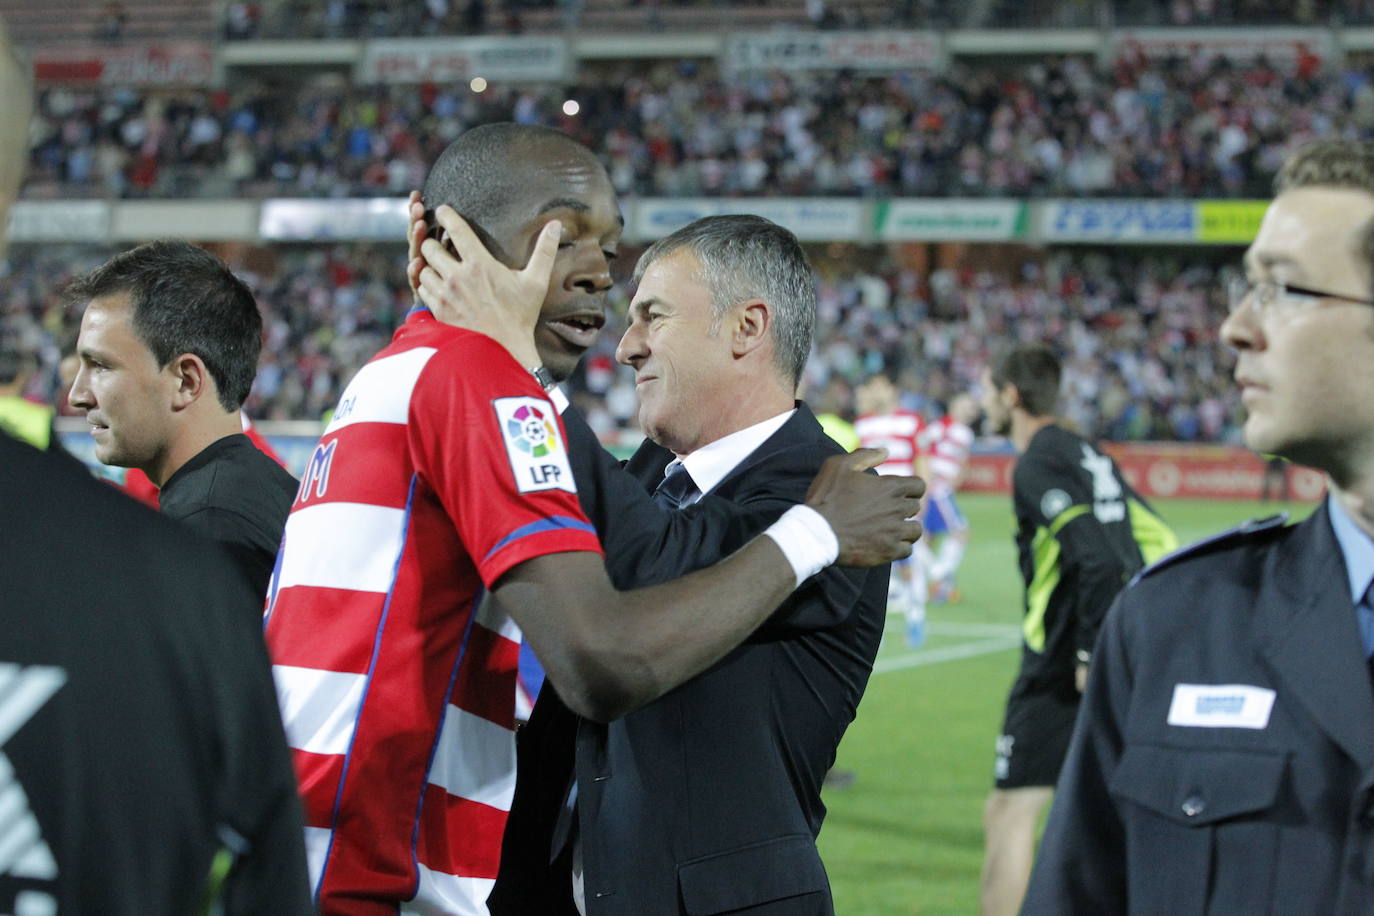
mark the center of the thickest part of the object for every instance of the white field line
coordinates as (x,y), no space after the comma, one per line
(954,653)
(955,628)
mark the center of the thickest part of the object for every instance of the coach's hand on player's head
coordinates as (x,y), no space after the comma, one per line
(872,515)
(464,285)
(416,230)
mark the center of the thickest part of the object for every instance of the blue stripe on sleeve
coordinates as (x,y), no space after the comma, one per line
(552,523)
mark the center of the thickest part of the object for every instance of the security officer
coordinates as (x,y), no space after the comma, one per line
(21,418)
(1223,760)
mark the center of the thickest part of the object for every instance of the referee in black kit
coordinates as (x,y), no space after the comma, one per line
(142,762)
(1082,532)
(169,348)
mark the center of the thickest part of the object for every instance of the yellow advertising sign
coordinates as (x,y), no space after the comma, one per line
(1229,221)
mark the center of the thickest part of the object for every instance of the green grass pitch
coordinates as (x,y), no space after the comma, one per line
(906,837)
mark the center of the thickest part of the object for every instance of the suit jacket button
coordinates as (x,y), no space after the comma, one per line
(1194,805)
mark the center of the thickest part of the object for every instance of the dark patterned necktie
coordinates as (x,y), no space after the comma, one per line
(677,489)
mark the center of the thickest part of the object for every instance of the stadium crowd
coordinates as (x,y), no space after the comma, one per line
(251,19)
(1142,358)
(1197,127)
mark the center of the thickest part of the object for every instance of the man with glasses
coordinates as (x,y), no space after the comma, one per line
(1223,760)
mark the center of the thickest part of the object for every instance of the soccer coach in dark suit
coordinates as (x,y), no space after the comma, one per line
(706,800)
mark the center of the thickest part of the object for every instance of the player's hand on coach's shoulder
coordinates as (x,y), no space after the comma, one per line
(872,515)
(464,285)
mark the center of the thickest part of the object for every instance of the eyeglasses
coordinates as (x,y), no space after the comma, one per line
(1269,296)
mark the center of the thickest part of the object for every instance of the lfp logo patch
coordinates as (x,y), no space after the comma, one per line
(536,451)
(532,432)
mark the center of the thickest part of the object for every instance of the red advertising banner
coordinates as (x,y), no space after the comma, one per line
(1168,471)
(1304,48)
(189,63)
(989,473)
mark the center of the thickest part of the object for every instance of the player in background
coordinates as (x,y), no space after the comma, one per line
(1082,532)
(20,417)
(883,423)
(945,445)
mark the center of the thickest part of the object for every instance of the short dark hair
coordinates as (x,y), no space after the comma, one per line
(1034,370)
(184,300)
(1334,164)
(747,257)
(479,173)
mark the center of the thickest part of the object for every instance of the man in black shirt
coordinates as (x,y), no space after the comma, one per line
(1082,532)
(169,346)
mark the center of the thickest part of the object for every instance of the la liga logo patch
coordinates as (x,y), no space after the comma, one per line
(532,432)
(538,456)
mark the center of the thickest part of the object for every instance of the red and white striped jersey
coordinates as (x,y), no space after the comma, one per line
(946,445)
(899,432)
(444,467)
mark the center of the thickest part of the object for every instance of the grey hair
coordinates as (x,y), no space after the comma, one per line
(748,257)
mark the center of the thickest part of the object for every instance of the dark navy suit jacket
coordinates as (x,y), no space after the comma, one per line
(707,800)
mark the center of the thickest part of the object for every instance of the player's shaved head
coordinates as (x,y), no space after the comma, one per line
(488,167)
(16,104)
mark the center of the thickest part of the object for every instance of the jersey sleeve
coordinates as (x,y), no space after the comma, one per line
(1060,500)
(492,446)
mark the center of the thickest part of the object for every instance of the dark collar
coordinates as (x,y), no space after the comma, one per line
(206,455)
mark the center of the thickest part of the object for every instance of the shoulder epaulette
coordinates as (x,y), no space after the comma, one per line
(1255,527)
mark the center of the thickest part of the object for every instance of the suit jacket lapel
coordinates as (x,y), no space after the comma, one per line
(1309,635)
(802,426)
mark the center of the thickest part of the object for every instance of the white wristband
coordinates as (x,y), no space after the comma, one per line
(806,539)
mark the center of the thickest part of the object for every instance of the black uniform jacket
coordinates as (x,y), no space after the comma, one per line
(141,738)
(1259,797)
(708,799)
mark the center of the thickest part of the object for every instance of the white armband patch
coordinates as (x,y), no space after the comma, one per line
(534,444)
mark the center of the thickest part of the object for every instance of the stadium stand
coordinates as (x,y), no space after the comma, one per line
(367,18)
(1111,120)
(1143,360)
(372,19)
(67,22)
(1137,128)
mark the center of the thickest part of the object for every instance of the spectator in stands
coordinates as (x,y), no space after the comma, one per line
(1202,128)
(113,20)
(1140,330)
